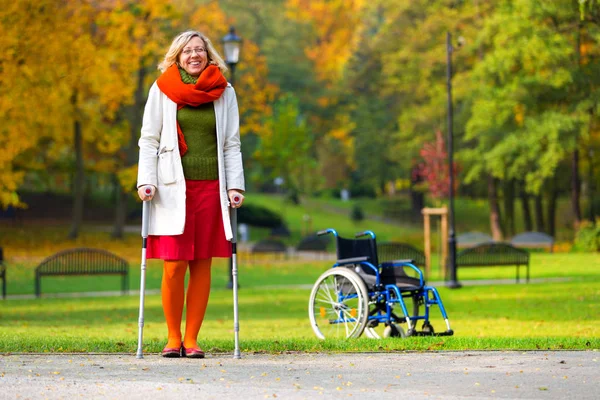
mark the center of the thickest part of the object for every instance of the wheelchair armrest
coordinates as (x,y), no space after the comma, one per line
(404,263)
(394,262)
(352,260)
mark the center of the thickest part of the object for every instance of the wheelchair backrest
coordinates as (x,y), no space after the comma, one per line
(349,248)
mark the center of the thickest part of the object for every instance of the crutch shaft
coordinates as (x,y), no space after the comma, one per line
(234,273)
(145,220)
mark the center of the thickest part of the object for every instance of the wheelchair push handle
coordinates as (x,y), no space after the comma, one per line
(365,233)
(327,231)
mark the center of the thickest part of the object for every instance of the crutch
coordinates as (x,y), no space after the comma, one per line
(236,322)
(145,218)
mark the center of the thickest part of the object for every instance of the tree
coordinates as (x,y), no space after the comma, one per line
(286,151)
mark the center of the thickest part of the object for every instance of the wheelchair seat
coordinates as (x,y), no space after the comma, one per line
(389,276)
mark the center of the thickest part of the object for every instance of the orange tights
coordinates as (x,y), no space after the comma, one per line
(173,283)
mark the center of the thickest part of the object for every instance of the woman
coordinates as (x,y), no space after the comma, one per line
(190,157)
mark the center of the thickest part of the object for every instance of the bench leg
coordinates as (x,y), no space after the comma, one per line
(38,285)
(125,284)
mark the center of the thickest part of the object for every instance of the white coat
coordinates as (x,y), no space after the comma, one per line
(160,162)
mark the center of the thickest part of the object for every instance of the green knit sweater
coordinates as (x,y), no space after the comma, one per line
(199,128)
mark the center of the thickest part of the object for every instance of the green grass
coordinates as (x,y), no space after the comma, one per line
(562,314)
(540,316)
(273,313)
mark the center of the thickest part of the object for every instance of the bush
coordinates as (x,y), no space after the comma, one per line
(362,190)
(357,214)
(587,237)
(254,215)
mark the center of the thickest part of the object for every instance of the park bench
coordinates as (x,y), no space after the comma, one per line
(472,239)
(269,246)
(390,251)
(82,261)
(493,255)
(533,240)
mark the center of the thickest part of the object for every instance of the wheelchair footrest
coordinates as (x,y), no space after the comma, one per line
(424,333)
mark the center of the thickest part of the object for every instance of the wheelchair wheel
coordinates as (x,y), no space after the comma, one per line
(393,330)
(427,328)
(338,305)
(384,331)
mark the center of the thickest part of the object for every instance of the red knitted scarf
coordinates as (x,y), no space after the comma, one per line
(209,87)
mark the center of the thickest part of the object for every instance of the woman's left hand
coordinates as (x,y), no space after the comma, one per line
(236,198)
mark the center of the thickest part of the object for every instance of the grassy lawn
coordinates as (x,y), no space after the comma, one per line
(273,312)
(562,313)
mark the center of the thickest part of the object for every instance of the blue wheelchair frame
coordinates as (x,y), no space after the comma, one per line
(391,294)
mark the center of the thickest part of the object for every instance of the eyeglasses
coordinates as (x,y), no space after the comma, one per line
(189,52)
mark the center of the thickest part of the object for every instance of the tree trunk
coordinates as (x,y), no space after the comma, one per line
(575,181)
(134,115)
(509,207)
(495,225)
(526,210)
(79,182)
(551,209)
(539,214)
(575,189)
(417,198)
(591,187)
(120,209)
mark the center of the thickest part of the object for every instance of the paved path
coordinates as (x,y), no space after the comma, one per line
(438,375)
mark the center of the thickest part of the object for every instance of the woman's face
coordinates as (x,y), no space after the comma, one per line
(194,58)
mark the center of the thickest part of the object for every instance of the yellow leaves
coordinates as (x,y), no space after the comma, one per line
(127,177)
(519,111)
(335,23)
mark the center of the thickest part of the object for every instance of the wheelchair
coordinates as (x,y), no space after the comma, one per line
(360,294)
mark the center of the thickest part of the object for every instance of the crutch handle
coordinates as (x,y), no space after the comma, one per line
(145,218)
(237,199)
(148,190)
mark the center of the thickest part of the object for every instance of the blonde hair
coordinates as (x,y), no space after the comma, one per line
(181,41)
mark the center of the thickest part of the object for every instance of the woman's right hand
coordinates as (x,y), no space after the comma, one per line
(146,192)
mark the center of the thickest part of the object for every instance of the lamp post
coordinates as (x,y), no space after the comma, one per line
(452,282)
(231,50)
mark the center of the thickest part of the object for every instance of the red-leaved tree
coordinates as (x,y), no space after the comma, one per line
(433,170)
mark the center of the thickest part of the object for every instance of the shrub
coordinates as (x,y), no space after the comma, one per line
(362,190)
(357,214)
(254,215)
(587,237)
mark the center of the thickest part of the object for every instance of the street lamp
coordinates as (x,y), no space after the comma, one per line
(231,48)
(452,282)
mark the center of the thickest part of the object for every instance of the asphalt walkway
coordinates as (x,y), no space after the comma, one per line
(437,375)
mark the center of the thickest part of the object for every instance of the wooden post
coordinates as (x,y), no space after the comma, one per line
(443,213)
(427,242)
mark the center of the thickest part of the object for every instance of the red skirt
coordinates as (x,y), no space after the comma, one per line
(203,235)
